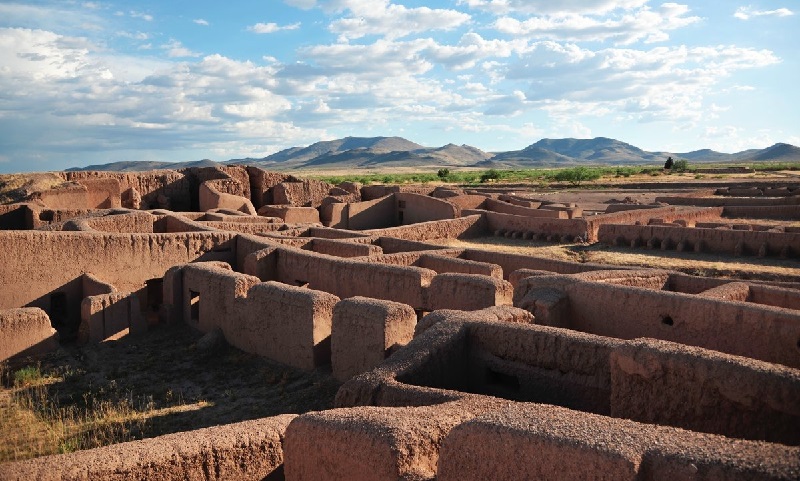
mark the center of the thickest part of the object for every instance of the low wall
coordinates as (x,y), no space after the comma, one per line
(365,331)
(131,223)
(507,208)
(371,214)
(110,316)
(15,217)
(512,262)
(102,193)
(787,212)
(656,382)
(290,214)
(558,228)
(344,249)
(461,228)
(729,241)
(467,292)
(249,450)
(25,332)
(443,263)
(403,284)
(212,195)
(729,201)
(745,329)
(416,208)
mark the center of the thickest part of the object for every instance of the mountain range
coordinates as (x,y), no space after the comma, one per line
(393,152)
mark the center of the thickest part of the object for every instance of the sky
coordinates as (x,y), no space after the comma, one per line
(91,82)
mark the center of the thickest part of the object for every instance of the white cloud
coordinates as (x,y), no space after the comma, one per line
(389,20)
(747,12)
(144,16)
(175,49)
(643,24)
(271,27)
(304,4)
(200,21)
(549,7)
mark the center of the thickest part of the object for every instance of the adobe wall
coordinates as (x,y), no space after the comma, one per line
(301,193)
(66,197)
(443,263)
(261,184)
(470,202)
(25,332)
(248,451)
(212,195)
(110,316)
(507,208)
(291,215)
(415,208)
(403,284)
(467,292)
(461,228)
(762,212)
(555,228)
(512,262)
(729,241)
(394,245)
(15,217)
(537,441)
(51,264)
(758,331)
(371,214)
(366,331)
(129,222)
(244,227)
(657,382)
(157,189)
(342,248)
(730,201)
(102,193)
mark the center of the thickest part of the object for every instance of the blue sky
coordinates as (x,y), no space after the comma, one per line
(84,82)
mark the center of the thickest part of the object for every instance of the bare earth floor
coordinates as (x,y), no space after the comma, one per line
(144,386)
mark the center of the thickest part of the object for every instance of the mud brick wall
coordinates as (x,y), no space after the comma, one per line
(511,262)
(365,331)
(461,228)
(537,225)
(106,316)
(246,451)
(444,263)
(342,248)
(415,208)
(291,215)
(15,217)
(467,292)
(380,281)
(213,194)
(68,196)
(729,241)
(133,222)
(508,208)
(25,332)
(150,185)
(50,265)
(371,214)
(660,382)
(787,212)
(730,201)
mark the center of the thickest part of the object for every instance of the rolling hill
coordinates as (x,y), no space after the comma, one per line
(396,152)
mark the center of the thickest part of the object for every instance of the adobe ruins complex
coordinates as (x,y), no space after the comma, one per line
(456,364)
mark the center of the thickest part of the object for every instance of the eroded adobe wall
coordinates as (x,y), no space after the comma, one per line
(730,201)
(131,222)
(15,217)
(68,196)
(45,269)
(721,240)
(415,208)
(469,202)
(507,208)
(341,248)
(247,451)
(762,212)
(461,228)
(102,193)
(25,332)
(557,228)
(443,263)
(157,189)
(380,281)
(467,292)
(371,214)
(512,262)
(214,194)
(758,331)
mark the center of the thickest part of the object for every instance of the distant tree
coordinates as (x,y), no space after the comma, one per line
(669,163)
(577,175)
(680,165)
(443,174)
(490,175)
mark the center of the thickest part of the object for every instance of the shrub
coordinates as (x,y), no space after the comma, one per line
(490,175)
(577,175)
(680,165)
(443,174)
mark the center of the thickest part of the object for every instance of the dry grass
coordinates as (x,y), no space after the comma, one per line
(709,265)
(17,187)
(82,397)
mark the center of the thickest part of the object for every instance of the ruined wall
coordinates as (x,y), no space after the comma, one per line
(722,240)
(291,215)
(50,265)
(15,217)
(461,228)
(507,208)
(762,212)
(110,316)
(758,331)
(25,332)
(102,193)
(131,222)
(247,451)
(511,262)
(415,208)
(158,188)
(444,263)
(558,228)
(301,193)
(65,196)
(341,248)
(730,201)
(471,202)
(261,184)
(371,214)
(468,292)
(213,195)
